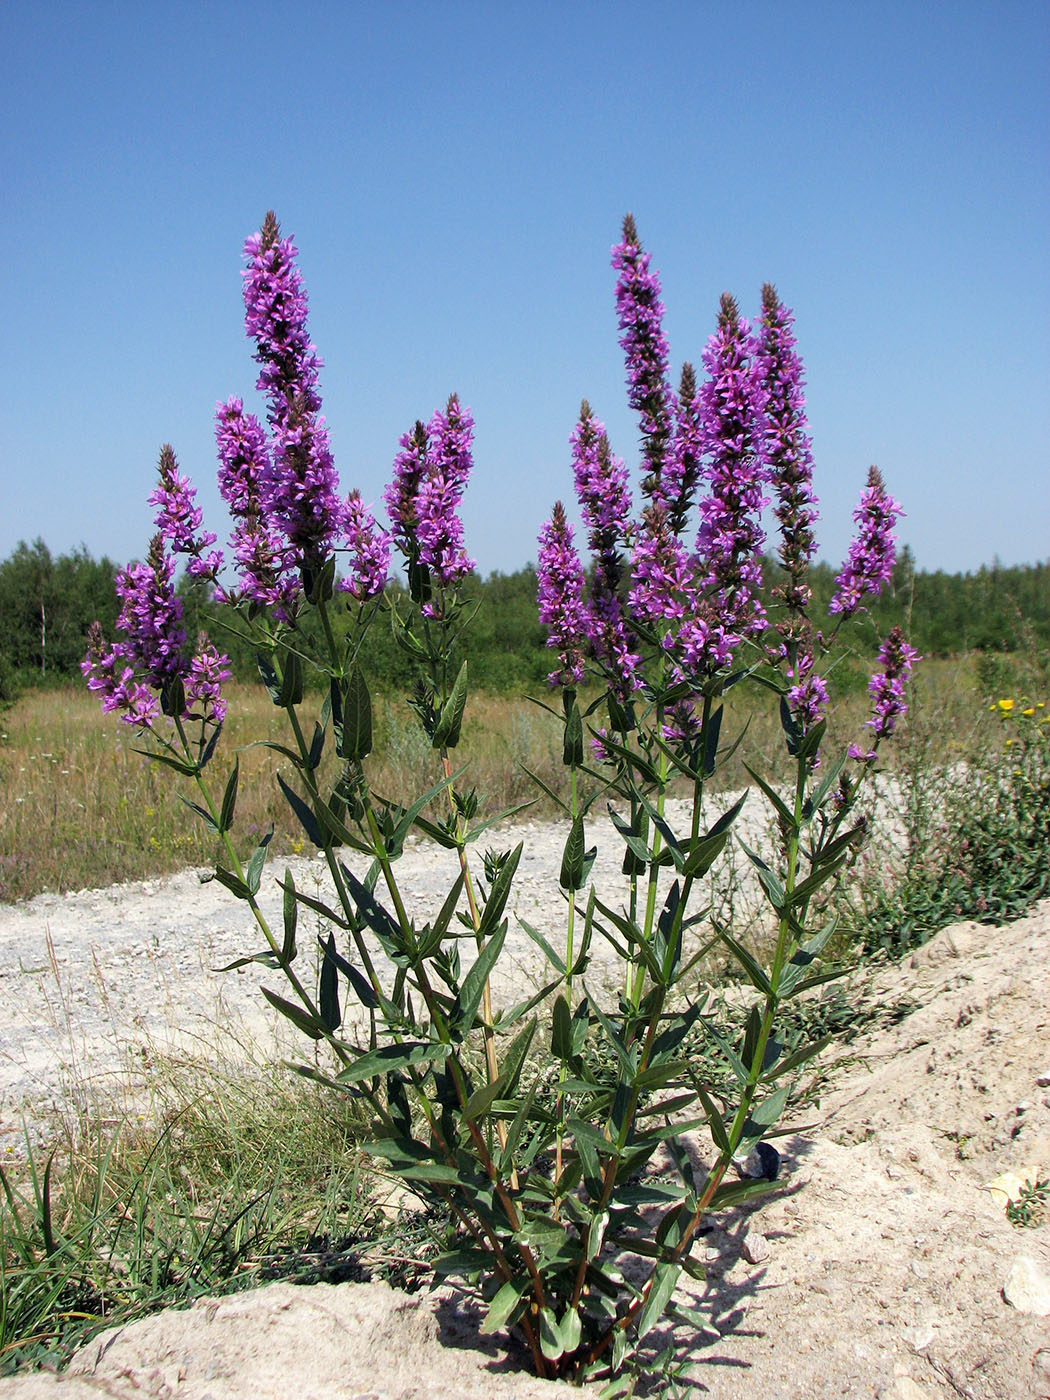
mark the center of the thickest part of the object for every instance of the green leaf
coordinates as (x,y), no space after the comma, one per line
(785,813)
(291,692)
(463,1263)
(298,1015)
(714,729)
(254,870)
(446,734)
(572,743)
(291,919)
(828,779)
(561,1035)
(329,987)
(798,1058)
(662,1286)
(353,738)
(813,882)
(535,777)
(317,905)
(631,836)
(474,983)
(389,1057)
(307,820)
(206,817)
(755,974)
(541,942)
(733,1193)
(576,861)
(232,882)
(715,1122)
(768,879)
(188,770)
(505,1305)
(499,892)
(226,816)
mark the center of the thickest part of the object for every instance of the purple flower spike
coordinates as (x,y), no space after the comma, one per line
(244,464)
(301,493)
(683,465)
(869,565)
(151,617)
(887,687)
(204,681)
(369,552)
(179,518)
(662,590)
(438,527)
(411,465)
(786,444)
(730,537)
(601,488)
(560,598)
(640,312)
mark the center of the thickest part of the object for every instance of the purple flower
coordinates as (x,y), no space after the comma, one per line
(601,488)
(244,465)
(662,588)
(869,565)
(369,552)
(438,528)
(682,725)
(301,491)
(730,537)
(148,671)
(560,598)
(786,445)
(410,467)
(207,673)
(639,312)
(887,687)
(808,697)
(682,468)
(179,518)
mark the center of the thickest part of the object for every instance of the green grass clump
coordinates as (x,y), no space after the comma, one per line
(233,1175)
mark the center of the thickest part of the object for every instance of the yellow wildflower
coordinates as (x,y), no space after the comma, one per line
(1028,713)
(1006,707)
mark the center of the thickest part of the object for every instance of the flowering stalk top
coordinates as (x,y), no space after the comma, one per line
(369,548)
(639,312)
(179,518)
(887,689)
(301,491)
(560,598)
(786,444)
(730,536)
(869,564)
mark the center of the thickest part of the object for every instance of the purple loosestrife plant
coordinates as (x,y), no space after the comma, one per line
(537,1146)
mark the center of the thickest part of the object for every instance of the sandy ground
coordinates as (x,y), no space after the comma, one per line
(880,1261)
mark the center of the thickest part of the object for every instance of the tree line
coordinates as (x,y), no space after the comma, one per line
(47,603)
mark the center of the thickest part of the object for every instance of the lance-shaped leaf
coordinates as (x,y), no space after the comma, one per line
(298,1015)
(352,716)
(711,736)
(632,835)
(205,816)
(754,972)
(499,893)
(392,1057)
(767,878)
(291,919)
(661,1287)
(329,986)
(474,983)
(188,770)
(254,869)
(450,721)
(572,742)
(233,883)
(828,779)
(507,1305)
(307,820)
(576,860)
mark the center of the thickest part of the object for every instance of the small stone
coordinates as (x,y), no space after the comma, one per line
(1028,1289)
(755,1247)
(1043,1080)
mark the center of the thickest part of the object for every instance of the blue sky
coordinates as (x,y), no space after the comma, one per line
(455,175)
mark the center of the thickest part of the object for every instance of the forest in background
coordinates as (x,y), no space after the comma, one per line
(47,603)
